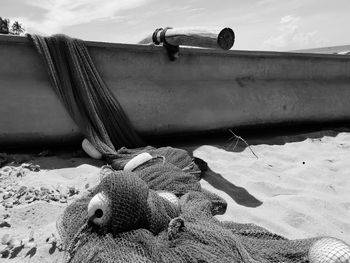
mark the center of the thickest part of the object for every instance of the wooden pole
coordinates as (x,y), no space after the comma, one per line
(216,38)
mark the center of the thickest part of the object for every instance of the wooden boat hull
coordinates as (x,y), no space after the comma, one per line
(203,90)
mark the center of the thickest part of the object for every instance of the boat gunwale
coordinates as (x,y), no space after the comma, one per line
(189,50)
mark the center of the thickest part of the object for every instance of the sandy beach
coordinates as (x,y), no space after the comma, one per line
(303,186)
(296,186)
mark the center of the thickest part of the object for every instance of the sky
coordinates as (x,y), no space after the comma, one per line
(278,25)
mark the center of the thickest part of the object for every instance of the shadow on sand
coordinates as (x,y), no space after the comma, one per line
(240,195)
(271,136)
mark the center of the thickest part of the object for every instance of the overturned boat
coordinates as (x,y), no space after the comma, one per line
(202,90)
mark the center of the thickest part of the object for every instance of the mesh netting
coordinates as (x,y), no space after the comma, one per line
(85,95)
(131,221)
(146,227)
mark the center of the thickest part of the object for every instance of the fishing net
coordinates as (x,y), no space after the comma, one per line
(143,225)
(157,212)
(86,97)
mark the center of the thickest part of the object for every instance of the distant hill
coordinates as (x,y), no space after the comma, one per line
(327,50)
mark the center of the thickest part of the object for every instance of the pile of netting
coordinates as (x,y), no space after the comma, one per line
(156,211)
(140,224)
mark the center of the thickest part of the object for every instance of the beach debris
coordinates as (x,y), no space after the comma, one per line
(4,223)
(239,138)
(31,167)
(8,205)
(51,239)
(14,159)
(44,190)
(4,251)
(16,195)
(55,242)
(6,195)
(5,171)
(72,190)
(6,216)
(55,197)
(19,171)
(11,245)
(63,201)
(28,196)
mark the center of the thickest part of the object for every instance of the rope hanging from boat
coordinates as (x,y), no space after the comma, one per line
(85,95)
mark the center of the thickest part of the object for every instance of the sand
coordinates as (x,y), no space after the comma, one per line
(296,186)
(304,186)
(57,172)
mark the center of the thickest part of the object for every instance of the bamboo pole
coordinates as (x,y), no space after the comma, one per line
(206,38)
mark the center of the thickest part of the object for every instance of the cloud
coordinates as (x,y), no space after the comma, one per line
(265,2)
(291,36)
(63,13)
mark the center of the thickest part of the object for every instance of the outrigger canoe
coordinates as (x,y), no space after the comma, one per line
(202,90)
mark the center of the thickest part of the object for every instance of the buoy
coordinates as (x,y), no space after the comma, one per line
(137,161)
(329,250)
(90,149)
(170,197)
(99,210)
